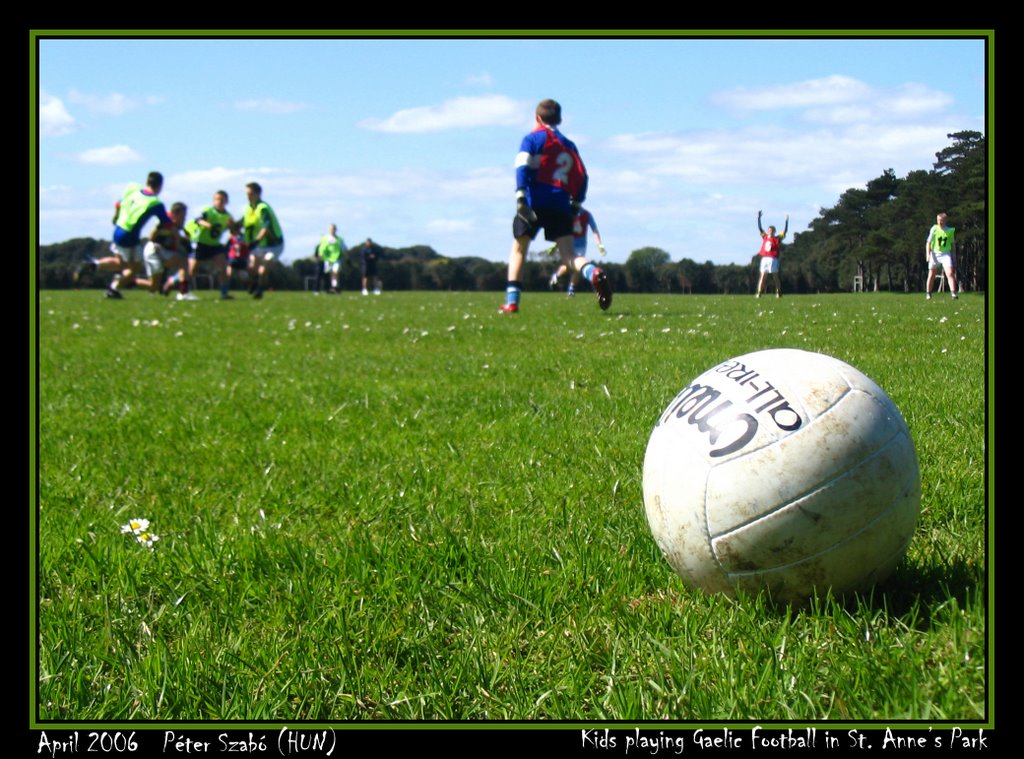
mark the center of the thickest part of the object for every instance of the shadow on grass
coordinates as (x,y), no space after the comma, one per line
(913,593)
(929,587)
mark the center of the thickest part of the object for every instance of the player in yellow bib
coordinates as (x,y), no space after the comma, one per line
(328,257)
(263,235)
(208,249)
(940,253)
(137,206)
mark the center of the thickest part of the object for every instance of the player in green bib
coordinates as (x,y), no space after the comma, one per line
(263,235)
(208,249)
(940,253)
(136,207)
(328,256)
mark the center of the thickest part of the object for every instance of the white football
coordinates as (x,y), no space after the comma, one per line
(782,470)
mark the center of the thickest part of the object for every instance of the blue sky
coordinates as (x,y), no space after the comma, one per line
(412,141)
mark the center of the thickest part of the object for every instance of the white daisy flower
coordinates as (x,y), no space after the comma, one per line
(135,526)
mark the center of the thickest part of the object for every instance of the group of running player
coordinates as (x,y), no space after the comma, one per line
(178,247)
(551,186)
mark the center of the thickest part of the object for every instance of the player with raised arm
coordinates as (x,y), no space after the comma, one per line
(771,245)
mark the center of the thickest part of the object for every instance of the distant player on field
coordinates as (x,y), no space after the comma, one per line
(551,185)
(769,252)
(939,251)
(368,267)
(328,255)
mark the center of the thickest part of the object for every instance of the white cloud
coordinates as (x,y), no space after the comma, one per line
(816,158)
(208,181)
(624,181)
(914,100)
(843,114)
(457,113)
(114,104)
(483,79)
(54,119)
(109,156)
(840,100)
(479,184)
(269,105)
(911,101)
(830,90)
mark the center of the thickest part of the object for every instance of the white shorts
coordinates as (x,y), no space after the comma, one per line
(267,253)
(769,264)
(128,255)
(332,267)
(153,256)
(941,261)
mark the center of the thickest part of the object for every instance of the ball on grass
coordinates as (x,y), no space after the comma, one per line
(782,470)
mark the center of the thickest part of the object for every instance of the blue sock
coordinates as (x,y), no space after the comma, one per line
(512,293)
(588,270)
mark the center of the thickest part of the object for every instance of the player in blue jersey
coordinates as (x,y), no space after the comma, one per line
(551,184)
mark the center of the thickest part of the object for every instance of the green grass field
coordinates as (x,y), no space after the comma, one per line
(409,507)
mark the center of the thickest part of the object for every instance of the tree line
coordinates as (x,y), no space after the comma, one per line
(876,233)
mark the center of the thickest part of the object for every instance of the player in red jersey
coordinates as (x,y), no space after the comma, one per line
(769,252)
(551,184)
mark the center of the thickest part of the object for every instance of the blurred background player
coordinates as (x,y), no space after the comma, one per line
(207,230)
(940,251)
(166,249)
(131,213)
(583,220)
(263,235)
(180,262)
(770,248)
(368,264)
(328,255)
(238,258)
(551,184)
